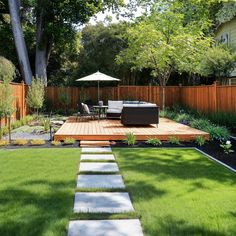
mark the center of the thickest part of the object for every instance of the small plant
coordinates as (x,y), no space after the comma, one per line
(154,142)
(64,98)
(69,141)
(227,147)
(3,143)
(174,140)
(37,142)
(46,124)
(130,139)
(56,143)
(35,95)
(20,142)
(200,140)
(218,132)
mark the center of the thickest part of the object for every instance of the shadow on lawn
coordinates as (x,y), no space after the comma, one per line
(40,212)
(171,227)
(179,165)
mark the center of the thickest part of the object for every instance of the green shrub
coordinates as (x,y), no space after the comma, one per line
(46,124)
(69,141)
(218,132)
(201,124)
(200,140)
(183,117)
(174,140)
(227,119)
(130,139)
(154,142)
(16,124)
(35,95)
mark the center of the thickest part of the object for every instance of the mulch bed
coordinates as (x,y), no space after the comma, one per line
(211,148)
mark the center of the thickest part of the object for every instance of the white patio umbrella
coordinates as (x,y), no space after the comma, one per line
(99,77)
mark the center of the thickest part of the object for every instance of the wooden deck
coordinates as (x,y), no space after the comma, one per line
(113,130)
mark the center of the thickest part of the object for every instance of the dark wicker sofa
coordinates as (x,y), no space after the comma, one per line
(133,112)
(143,114)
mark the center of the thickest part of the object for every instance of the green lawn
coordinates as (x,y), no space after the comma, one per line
(179,192)
(36,191)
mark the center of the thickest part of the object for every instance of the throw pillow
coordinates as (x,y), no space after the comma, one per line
(86,109)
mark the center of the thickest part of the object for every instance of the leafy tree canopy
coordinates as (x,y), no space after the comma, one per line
(7,69)
(227,12)
(219,61)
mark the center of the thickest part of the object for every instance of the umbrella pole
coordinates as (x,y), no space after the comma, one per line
(98,91)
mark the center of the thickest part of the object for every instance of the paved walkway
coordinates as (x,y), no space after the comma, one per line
(106,177)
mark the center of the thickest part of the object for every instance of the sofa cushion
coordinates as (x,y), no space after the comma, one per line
(141,105)
(131,102)
(115,105)
(114,111)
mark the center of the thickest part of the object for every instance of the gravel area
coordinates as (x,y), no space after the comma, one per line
(28,136)
(29,132)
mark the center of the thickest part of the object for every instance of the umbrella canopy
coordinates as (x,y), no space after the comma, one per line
(98,76)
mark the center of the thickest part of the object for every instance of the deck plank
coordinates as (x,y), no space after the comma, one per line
(113,130)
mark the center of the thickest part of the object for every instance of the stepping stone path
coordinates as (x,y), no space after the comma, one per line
(105,228)
(98,157)
(102,202)
(97,150)
(98,167)
(100,181)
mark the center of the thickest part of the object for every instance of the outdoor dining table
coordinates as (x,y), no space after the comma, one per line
(101,110)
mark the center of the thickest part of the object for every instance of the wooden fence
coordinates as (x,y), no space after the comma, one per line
(210,98)
(19,104)
(205,98)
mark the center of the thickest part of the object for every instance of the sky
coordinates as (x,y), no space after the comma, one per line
(101,16)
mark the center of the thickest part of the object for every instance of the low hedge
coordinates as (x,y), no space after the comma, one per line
(198,121)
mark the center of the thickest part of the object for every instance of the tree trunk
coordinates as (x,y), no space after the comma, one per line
(14,8)
(41,64)
(9,129)
(41,47)
(0,130)
(163,98)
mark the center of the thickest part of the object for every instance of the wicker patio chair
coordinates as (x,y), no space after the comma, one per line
(88,113)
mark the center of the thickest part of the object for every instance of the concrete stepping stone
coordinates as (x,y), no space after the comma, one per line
(104,202)
(105,228)
(96,150)
(97,157)
(100,181)
(98,167)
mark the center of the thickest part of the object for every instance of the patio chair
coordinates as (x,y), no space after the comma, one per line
(85,112)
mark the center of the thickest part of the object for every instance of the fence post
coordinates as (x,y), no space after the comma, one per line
(214,96)
(23,113)
(118,92)
(150,93)
(180,95)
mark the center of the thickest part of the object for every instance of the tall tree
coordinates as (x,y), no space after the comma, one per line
(14,8)
(56,20)
(100,45)
(164,43)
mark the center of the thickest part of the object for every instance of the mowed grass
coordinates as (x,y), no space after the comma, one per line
(37,191)
(179,192)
